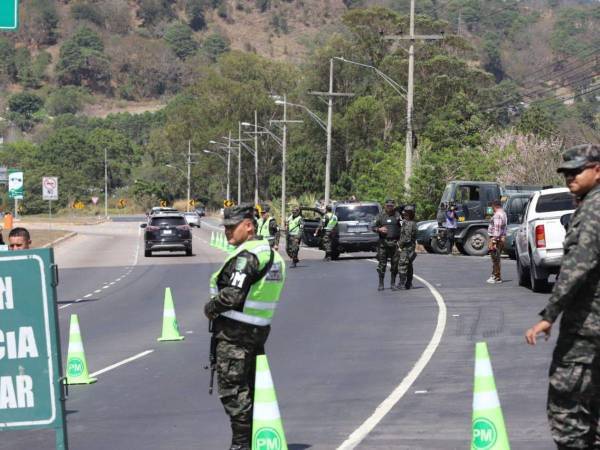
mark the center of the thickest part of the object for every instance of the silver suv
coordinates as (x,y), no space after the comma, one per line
(354,232)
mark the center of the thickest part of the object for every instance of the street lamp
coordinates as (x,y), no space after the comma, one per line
(188,174)
(247,124)
(312,114)
(227,163)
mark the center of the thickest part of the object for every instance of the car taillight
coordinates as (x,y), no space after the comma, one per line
(152,228)
(183,227)
(540,236)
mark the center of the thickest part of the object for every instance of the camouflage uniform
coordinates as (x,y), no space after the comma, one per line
(329,234)
(387,248)
(574,392)
(407,244)
(294,237)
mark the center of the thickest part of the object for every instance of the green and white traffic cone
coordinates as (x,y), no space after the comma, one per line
(212,238)
(170,327)
(77,368)
(267,428)
(488,429)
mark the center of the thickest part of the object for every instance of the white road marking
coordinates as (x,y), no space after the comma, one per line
(64,306)
(105,287)
(97,290)
(125,361)
(111,283)
(386,406)
(87,295)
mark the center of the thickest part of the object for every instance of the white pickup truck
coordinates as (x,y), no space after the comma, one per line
(539,239)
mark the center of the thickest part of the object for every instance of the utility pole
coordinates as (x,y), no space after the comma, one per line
(228,164)
(189,173)
(239,200)
(105,183)
(330,95)
(411,89)
(255,157)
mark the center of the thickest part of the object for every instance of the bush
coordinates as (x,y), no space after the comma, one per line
(195,12)
(25,103)
(180,39)
(215,45)
(65,100)
(40,23)
(89,12)
(153,11)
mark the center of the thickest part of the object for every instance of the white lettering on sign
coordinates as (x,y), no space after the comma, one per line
(17,393)
(26,348)
(6,293)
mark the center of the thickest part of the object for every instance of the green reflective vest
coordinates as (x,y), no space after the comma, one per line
(294,225)
(261,302)
(332,222)
(262,228)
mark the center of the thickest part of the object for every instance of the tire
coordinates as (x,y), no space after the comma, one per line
(522,273)
(428,248)
(188,251)
(461,249)
(147,253)
(538,282)
(437,248)
(476,243)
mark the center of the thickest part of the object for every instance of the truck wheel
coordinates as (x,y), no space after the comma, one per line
(522,273)
(538,281)
(477,242)
(437,246)
(461,249)
(428,248)
(147,253)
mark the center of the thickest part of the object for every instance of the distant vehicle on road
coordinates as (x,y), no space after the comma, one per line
(539,239)
(201,210)
(167,232)
(514,206)
(192,218)
(160,209)
(354,229)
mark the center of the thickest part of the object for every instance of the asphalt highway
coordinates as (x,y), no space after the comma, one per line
(337,350)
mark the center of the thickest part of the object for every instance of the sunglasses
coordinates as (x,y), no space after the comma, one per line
(575,172)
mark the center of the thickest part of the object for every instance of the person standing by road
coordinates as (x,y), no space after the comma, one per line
(267,227)
(244,294)
(19,239)
(451,225)
(388,225)
(408,245)
(295,227)
(328,228)
(497,237)
(574,393)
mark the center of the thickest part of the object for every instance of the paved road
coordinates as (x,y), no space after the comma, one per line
(338,348)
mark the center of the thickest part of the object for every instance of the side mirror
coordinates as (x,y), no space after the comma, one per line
(143,225)
(566,220)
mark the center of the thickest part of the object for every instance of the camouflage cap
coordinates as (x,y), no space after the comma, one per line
(579,156)
(390,202)
(235,214)
(265,208)
(409,208)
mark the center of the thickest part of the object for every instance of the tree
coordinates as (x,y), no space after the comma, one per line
(66,100)
(215,45)
(25,103)
(180,39)
(195,12)
(536,120)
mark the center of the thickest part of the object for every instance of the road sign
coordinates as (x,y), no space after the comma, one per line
(95,200)
(228,203)
(15,182)
(50,188)
(192,203)
(30,367)
(163,203)
(122,203)
(9,14)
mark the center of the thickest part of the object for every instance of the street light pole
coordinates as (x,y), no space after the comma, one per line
(189,173)
(255,157)
(239,199)
(105,183)
(228,164)
(329,120)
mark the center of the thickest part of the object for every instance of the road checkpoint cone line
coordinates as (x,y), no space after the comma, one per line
(170,327)
(267,427)
(77,368)
(212,238)
(488,428)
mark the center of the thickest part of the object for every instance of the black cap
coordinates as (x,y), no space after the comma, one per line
(235,214)
(579,156)
(390,202)
(409,208)
(265,208)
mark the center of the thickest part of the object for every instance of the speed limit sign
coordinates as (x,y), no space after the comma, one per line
(50,188)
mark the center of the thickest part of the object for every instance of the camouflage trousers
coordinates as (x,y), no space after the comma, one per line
(405,266)
(387,250)
(574,405)
(236,368)
(328,243)
(292,247)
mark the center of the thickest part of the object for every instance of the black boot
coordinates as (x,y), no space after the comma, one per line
(293,263)
(393,283)
(380,287)
(401,283)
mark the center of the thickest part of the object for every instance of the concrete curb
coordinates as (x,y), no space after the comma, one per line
(60,239)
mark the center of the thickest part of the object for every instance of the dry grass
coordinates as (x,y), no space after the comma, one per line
(40,238)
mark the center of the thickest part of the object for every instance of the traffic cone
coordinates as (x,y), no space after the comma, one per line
(77,368)
(170,328)
(212,238)
(489,431)
(267,428)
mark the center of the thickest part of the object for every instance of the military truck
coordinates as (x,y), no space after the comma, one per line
(473,202)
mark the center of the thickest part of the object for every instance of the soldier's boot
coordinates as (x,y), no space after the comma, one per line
(402,282)
(239,447)
(393,283)
(242,435)
(380,287)
(293,263)
(408,284)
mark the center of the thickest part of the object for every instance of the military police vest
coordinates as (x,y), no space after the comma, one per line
(331,221)
(262,229)
(294,225)
(261,302)
(393,226)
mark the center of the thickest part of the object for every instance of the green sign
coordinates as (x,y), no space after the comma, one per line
(9,14)
(15,182)
(484,434)
(267,439)
(30,369)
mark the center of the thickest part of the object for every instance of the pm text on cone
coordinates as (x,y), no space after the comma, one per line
(170,327)
(488,429)
(77,368)
(267,428)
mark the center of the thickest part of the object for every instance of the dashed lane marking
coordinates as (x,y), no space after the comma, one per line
(121,363)
(87,295)
(386,406)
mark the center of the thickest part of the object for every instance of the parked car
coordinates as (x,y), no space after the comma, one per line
(167,232)
(192,218)
(514,206)
(539,239)
(201,210)
(427,236)
(160,210)
(354,229)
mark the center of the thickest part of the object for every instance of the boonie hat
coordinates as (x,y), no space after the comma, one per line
(235,214)
(390,202)
(579,156)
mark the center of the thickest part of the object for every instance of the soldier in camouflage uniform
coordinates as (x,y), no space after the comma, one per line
(241,317)
(407,244)
(328,229)
(574,393)
(388,225)
(295,227)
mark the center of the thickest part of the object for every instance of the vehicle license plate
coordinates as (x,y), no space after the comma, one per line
(358,229)
(167,232)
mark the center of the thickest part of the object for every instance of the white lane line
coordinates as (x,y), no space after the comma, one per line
(125,361)
(385,407)
(105,287)
(87,295)
(111,283)
(65,306)
(97,291)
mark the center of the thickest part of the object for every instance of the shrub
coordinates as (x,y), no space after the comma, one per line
(153,11)
(25,103)
(89,12)
(180,39)
(65,100)
(215,45)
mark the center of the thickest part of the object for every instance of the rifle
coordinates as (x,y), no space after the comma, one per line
(212,358)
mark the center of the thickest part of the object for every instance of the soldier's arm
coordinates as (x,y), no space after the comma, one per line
(274,230)
(239,274)
(376,224)
(580,263)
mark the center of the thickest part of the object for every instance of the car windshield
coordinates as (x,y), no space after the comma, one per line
(447,195)
(167,221)
(562,201)
(190,214)
(361,213)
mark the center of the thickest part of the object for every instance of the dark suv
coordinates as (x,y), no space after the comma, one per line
(354,229)
(167,232)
